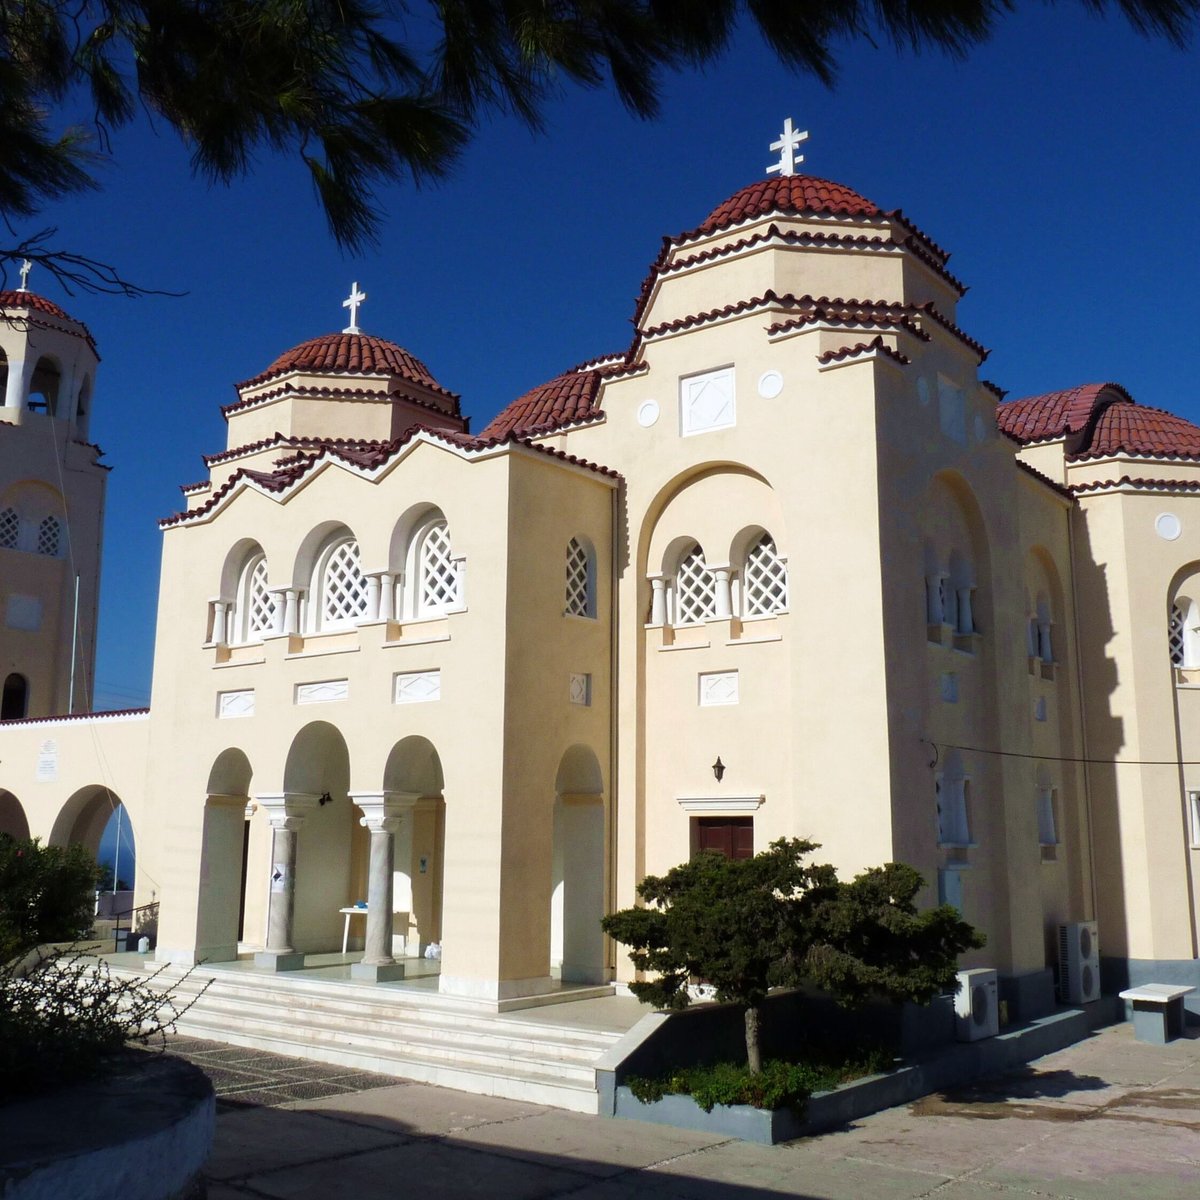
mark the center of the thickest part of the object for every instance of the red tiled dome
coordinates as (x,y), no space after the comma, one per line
(1132,429)
(16,299)
(563,400)
(788,194)
(353,354)
(1056,414)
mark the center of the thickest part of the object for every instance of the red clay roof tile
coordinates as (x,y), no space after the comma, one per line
(787,194)
(18,299)
(1132,429)
(1055,414)
(354,354)
(564,400)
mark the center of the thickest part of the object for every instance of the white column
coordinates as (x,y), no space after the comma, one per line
(278,610)
(658,602)
(387,596)
(1045,649)
(220,632)
(460,571)
(722,594)
(382,816)
(14,392)
(285,813)
(966,619)
(374,591)
(934,612)
(291,611)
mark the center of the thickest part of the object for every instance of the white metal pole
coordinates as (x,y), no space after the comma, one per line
(74,648)
(117,857)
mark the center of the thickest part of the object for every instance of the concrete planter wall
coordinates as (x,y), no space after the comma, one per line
(143,1134)
(948,1067)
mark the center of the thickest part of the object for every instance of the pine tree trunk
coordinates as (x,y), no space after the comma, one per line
(753,1049)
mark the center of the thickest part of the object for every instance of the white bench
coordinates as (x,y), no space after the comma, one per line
(1157,1011)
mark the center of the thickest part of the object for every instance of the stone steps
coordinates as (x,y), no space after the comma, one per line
(412,1035)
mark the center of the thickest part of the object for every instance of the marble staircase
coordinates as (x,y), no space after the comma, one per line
(537,1056)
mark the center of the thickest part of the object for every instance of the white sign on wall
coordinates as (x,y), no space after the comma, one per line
(235,704)
(718,687)
(322,693)
(707,402)
(418,687)
(47,762)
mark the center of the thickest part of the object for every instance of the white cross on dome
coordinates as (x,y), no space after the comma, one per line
(787,145)
(26,267)
(352,302)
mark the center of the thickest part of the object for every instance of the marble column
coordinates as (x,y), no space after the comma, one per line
(219,633)
(722,593)
(387,596)
(285,812)
(658,602)
(382,816)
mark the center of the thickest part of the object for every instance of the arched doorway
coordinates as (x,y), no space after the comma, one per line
(412,779)
(223,889)
(84,818)
(577,866)
(331,847)
(12,817)
(15,702)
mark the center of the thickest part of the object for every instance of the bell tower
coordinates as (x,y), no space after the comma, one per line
(51,508)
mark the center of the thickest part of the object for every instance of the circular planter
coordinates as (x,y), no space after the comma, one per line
(143,1133)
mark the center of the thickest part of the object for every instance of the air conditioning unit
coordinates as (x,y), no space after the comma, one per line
(1079,962)
(976,1005)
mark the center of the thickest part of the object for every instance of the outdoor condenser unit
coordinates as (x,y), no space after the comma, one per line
(1079,962)
(976,1005)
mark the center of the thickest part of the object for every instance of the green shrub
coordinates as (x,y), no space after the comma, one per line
(778,1085)
(65,1019)
(47,894)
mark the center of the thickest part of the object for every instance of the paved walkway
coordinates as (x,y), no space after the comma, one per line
(1107,1118)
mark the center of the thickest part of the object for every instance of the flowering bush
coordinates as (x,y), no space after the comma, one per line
(47,894)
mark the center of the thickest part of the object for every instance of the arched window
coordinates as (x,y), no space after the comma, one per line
(15,702)
(254,608)
(764,579)
(953,819)
(1184,633)
(44,386)
(49,539)
(1174,632)
(10,528)
(436,572)
(695,598)
(1045,644)
(339,591)
(581,580)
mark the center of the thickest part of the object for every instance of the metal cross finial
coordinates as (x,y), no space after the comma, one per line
(787,145)
(26,267)
(352,302)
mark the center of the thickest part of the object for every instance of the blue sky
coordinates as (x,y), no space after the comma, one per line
(1058,164)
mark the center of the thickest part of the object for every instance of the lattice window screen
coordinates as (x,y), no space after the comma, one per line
(694,598)
(343,587)
(1174,633)
(10,528)
(439,577)
(260,604)
(578,590)
(765,579)
(49,536)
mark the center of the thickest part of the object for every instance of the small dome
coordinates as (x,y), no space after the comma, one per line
(350,354)
(16,299)
(1057,414)
(788,194)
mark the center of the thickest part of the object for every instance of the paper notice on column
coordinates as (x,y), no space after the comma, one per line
(279,877)
(47,762)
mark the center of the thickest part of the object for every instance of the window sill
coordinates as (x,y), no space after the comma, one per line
(320,651)
(939,635)
(428,640)
(965,643)
(590,618)
(238,662)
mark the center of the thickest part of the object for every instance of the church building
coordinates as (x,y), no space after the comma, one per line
(786,565)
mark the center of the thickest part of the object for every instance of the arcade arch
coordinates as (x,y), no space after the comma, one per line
(577,869)
(12,817)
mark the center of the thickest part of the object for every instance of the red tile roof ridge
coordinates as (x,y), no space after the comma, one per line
(188,488)
(806,237)
(278,439)
(769,299)
(899,215)
(876,344)
(373,393)
(32,302)
(994,388)
(279,481)
(931,310)
(1043,478)
(600,362)
(79,716)
(1139,484)
(1135,430)
(879,319)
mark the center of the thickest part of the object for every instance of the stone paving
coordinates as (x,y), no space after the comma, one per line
(1104,1119)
